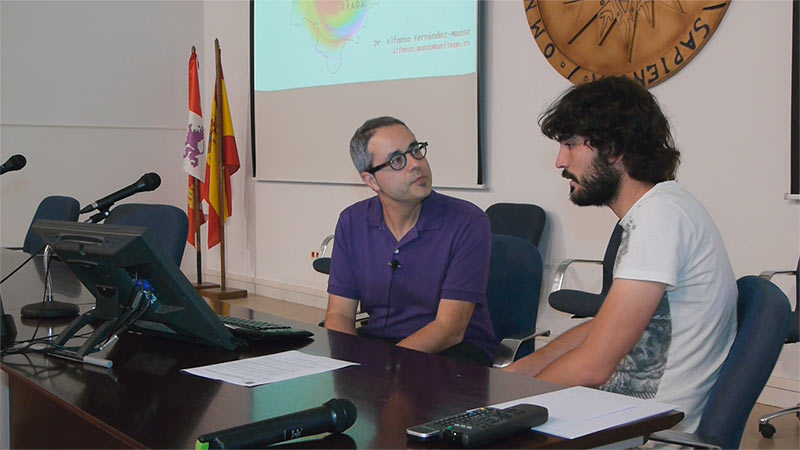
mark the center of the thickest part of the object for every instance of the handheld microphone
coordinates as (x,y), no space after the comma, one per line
(148,182)
(13,163)
(335,416)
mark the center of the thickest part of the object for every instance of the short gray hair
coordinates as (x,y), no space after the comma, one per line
(361,157)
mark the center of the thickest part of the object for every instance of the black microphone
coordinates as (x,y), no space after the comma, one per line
(16,162)
(148,182)
(335,416)
(394,265)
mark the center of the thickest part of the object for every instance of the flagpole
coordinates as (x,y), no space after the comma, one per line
(200,286)
(196,209)
(218,131)
(195,191)
(222,194)
(194,182)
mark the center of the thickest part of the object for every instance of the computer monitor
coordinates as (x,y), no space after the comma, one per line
(137,287)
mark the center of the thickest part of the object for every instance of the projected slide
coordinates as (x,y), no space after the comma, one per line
(321,68)
(309,43)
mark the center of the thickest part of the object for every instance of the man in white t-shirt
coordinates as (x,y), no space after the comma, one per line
(669,319)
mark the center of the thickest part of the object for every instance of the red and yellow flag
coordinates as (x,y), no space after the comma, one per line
(222,154)
(194,151)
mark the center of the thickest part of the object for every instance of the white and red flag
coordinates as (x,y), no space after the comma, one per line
(194,156)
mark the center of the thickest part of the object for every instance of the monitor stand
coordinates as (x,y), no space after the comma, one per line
(98,336)
(109,317)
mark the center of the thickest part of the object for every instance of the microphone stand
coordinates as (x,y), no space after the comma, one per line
(100,215)
(50,308)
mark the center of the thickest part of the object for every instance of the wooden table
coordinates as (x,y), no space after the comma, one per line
(146,401)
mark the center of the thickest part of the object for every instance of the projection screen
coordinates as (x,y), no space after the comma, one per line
(321,68)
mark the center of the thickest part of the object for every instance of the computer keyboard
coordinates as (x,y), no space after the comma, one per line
(254,330)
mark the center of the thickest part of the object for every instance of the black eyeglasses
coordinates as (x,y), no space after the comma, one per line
(397,160)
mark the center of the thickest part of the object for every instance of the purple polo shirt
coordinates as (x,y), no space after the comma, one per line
(446,255)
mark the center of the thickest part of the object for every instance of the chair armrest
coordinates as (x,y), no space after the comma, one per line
(768,274)
(681,438)
(324,245)
(507,351)
(558,279)
(361,319)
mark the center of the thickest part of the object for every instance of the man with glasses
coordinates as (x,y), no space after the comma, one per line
(417,260)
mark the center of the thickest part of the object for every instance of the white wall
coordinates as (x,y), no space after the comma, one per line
(729,108)
(94,94)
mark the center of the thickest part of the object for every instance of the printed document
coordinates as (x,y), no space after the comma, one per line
(269,368)
(578,411)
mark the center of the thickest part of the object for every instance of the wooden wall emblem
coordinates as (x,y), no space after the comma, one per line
(646,40)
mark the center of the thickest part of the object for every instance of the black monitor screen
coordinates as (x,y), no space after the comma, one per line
(135,284)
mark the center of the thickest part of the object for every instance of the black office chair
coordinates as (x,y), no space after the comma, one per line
(764,427)
(55,207)
(579,303)
(763,317)
(515,280)
(517,219)
(322,263)
(167,224)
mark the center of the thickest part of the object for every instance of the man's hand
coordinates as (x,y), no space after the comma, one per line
(534,363)
(341,314)
(588,354)
(618,326)
(447,330)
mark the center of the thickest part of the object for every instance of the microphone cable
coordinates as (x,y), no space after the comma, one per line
(394,265)
(32,340)
(139,303)
(22,264)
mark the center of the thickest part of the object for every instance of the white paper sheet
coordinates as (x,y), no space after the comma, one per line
(578,411)
(269,368)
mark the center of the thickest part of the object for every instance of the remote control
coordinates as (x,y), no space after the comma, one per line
(433,428)
(481,429)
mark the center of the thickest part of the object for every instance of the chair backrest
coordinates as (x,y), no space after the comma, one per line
(609,258)
(55,207)
(586,304)
(763,316)
(167,224)
(515,279)
(517,219)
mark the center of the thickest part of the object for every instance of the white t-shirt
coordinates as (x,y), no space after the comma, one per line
(670,238)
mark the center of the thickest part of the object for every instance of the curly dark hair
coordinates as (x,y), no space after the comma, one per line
(618,116)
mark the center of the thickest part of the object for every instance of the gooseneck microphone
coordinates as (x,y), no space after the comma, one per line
(335,416)
(16,162)
(148,182)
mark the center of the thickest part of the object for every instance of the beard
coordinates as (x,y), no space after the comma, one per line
(598,188)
